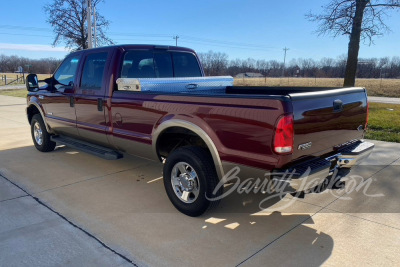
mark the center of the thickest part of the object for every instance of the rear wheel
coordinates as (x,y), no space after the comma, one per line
(190,176)
(40,136)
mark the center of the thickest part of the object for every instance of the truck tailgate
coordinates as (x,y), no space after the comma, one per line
(325,119)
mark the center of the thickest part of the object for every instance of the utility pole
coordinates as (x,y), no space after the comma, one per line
(284,61)
(176,39)
(95,28)
(89,22)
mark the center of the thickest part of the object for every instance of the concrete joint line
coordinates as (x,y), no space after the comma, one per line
(73,224)
(12,198)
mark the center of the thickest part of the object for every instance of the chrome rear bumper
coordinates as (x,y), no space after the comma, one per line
(309,174)
(354,154)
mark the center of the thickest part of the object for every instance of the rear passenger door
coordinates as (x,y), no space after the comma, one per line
(90,95)
(133,118)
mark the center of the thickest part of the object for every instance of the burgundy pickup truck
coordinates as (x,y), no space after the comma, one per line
(154,102)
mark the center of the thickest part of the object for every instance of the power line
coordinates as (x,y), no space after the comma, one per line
(23,34)
(226,42)
(225,46)
(151,40)
(140,34)
(13,27)
(192,39)
(187,38)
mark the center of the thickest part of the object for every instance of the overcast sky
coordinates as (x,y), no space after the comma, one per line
(258,29)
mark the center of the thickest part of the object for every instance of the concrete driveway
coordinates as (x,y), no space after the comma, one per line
(386,100)
(12,87)
(87,207)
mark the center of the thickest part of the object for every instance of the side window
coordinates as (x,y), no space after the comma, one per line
(93,71)
(138,64)
(66,73)
(185,65)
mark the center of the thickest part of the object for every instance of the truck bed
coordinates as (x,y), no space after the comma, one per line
(250,114)
(266,90)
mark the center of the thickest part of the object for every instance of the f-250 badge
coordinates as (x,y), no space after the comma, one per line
(304,146)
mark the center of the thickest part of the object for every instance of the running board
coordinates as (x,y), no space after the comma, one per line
(96,150)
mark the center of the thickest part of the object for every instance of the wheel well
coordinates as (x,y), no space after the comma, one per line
(31,111)
(175,137)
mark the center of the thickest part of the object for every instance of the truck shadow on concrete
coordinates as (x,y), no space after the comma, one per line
(123,203)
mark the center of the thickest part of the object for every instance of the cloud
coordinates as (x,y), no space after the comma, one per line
(32,47)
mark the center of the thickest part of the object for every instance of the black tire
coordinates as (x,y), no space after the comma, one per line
(43,144)
(201,162)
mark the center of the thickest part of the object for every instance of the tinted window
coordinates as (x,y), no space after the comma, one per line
(93,71)
(138,64)
(146,64)
(66,73)
(185,65)
(163,65)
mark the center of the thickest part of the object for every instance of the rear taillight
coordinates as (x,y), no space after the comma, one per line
(284,133)
(366,121)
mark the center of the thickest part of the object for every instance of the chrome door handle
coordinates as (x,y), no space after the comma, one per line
(191,86)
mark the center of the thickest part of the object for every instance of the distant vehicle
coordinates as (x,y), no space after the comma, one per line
(154,102)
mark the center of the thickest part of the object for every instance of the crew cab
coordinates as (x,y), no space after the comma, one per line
(155,102)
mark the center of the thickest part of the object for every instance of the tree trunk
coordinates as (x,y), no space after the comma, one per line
(354,44)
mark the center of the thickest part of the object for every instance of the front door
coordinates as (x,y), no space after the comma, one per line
(89,98)
(58,102)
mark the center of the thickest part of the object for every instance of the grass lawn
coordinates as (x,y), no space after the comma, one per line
(383,124)
(17,93)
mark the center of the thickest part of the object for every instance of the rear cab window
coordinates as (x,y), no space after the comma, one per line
(155,64)
(185,65)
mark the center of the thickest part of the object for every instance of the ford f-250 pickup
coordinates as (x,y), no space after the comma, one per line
(154,102)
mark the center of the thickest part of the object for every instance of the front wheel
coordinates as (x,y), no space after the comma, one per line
(189,179)
(40,136)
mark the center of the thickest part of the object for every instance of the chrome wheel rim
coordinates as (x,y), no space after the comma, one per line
(38,133)
(185,182)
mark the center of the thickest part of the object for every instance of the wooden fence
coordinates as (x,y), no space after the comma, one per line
(4,80)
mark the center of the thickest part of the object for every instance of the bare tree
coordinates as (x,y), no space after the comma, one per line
(214,63)
(68,18)
(360,19)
